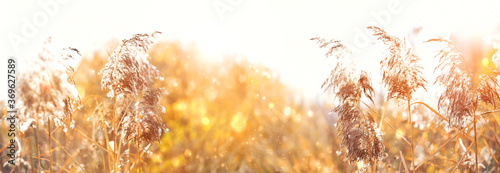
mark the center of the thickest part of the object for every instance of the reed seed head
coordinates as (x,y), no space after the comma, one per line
(334,47)
(464,90)
(400,73)
(361,140)
(128,69)
(46,88)
(129,76)
(144,123)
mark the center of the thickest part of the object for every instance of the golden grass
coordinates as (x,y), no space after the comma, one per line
(465,90)
(236,116)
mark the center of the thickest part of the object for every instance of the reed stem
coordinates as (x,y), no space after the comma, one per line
(411,137)
(50,149)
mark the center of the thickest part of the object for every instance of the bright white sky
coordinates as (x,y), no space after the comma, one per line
(275,32)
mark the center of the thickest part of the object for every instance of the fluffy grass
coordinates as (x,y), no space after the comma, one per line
(469,99)
(111,111)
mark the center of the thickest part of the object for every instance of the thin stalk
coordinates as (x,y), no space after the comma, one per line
(489,150)
(115,157)
(104,162)
(396,131)
(104,129)
(467,150)
(411,138)
(475,133)
(437,150)
(374,165)
(37,145)
(465,134)
(128,163)
(27,147)
(118,154)
(461,158)
(50,149)
(88,138)
(20,153)
(475,141)
(68,161)
(403,160)
(62,148)
(35,131)
(13,169)
(138,156)
(431,109)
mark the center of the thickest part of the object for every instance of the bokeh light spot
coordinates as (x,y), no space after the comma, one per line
(205,121)
(238,122)
(310,113)
(485,62)
(287,111)
(271,105)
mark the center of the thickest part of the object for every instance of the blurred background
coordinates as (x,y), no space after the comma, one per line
(243,78)
(274,33)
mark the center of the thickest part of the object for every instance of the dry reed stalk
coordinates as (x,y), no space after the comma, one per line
(464,88)
(50,148)
(48,88)
(400,74)
(48,92)
(361,139)
(62,148)
(136,109)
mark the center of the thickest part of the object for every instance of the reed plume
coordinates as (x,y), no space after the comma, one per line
(144,124)
(334,47)
(128,70)
(361,140)
(464,90)
(46,89)
(400,73)
(129,76)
